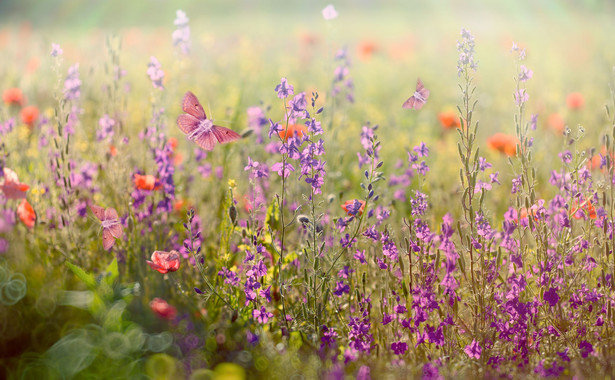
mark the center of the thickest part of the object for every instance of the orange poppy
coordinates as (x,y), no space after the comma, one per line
(112,150)
(29,115)
(504,143)
(173,142)
(556,123)
(346,206)
(13,96)
(449,119)
(26,213)
(594,162)
(366,49)
(293,130)
(575,100)
(587,208)
(146,182)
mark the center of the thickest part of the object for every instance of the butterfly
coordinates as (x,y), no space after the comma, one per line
(197,127)
(419,98)
(112,228)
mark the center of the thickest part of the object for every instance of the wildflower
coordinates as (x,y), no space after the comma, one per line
(146,182)
(163,309)
(473,350)
(583,210)
(449,119)
(525,74)
(72,83)
(556,123)
(13,96)
(551,296)
(284,89)
(106,128)
(292,130)
(399,348)
(575,100)
(181,36)
(465,47)
(501,142)
(262,316)
(56,50)
(354,207)
(29,115)
(10,185)
(521,96)
(155,73)
(421,150)
(586,348)
(164,262)
(366,49)
(329,12)
(26,213)
(279,167)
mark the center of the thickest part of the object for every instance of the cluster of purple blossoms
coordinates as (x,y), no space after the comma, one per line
(257,122)
(56,50)
(342,83)
(465,47)
(7,126)
(166,170)
(72,83)
(181,35)
(367,139)
(155,73)
(106,125)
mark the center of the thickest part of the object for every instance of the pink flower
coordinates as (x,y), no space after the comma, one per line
(164,262)
(473,350)
(163,309)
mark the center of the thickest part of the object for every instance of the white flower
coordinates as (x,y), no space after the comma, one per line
(329,13)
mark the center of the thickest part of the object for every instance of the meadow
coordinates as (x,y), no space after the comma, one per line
(336,220)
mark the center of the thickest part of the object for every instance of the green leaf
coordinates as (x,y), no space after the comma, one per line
(112,271)
(87,278)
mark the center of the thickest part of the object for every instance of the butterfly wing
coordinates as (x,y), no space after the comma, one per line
(117,231)
(108,239)
(187,123)
(191,105)
(98,211)
(206,140)
(111,214)
(411,103)
(224,135)
(419,85)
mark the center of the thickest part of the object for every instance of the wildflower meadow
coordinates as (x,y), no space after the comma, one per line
(307,190)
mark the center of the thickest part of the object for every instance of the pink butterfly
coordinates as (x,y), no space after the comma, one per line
(199,128)
(419,98)
(112,228)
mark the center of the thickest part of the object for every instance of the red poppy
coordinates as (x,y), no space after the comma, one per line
(13,96)
(575,100)
(366,49)
(293,130)
(26,213)
(163,309)
(348,207)
(449,119)
(164,262)
(112,150)
(29,115)
(556,123)
(586,207)
(504,143)
(146,182)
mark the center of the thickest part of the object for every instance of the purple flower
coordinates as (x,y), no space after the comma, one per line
(465,47)
(279,167)
(360,255)
(565,156)
(421,150)
(56,50)
(329,12)
(551,297)
(516,185)
(521,96)
(525,74)
(106,128)
(399,348)
(341,288)
(181,35)
(72,83)
(483,164)
(284,90)
(262,316)
(266,293)
(586,348)
(155,73)
(473,350)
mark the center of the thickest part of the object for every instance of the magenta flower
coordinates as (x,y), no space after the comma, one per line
(473,350)
(262,316)
(551,297)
